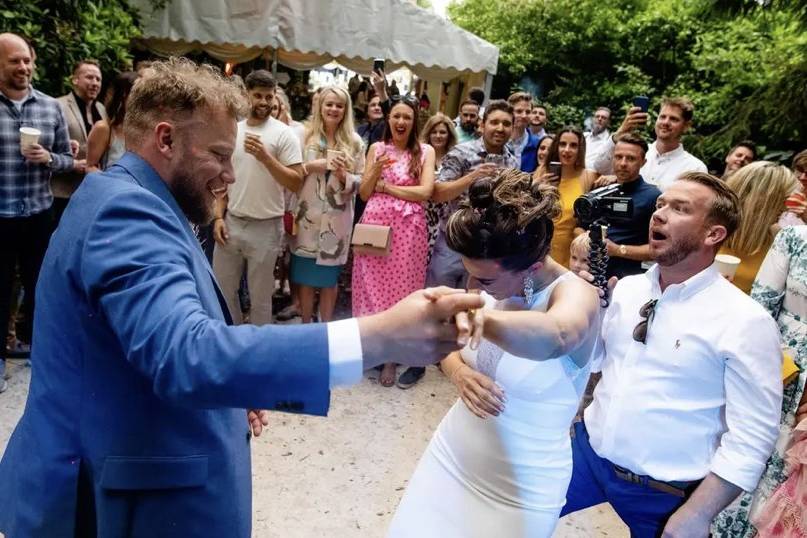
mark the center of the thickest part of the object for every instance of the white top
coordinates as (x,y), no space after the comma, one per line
(255,193)
(18,102)
(662,169)
(703,395)
(598,152)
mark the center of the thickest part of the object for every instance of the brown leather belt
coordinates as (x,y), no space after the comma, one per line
(679,489)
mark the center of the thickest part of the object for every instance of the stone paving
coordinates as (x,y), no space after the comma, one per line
(342,476)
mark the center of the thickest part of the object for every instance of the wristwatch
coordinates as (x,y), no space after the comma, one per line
(622,250)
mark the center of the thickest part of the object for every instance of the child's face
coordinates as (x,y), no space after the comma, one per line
(578,260)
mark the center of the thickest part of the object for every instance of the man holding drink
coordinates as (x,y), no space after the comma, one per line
(33,145)
(248,227)
(463,165)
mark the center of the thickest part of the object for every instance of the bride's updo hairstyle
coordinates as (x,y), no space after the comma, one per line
(506,218)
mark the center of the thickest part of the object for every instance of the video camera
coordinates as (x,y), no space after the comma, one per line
(606,203)
(593,210)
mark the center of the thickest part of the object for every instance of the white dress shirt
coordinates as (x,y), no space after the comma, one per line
(344,352)
(596,146)
(661,169)
(703,395)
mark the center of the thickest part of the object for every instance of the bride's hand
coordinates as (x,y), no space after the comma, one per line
(470,324)
(257,419)
(480,394)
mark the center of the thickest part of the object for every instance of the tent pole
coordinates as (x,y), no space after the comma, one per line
(488,84)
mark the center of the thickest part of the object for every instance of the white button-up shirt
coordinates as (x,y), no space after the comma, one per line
(661,169)
(703,395)
(598,150)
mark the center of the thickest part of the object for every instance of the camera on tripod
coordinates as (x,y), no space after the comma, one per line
(594,210)
(606,203)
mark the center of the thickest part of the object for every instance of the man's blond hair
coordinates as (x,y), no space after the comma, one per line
(174,90)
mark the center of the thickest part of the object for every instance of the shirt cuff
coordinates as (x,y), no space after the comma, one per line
(743,471)
(344,352)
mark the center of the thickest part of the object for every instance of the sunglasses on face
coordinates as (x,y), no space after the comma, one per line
(647,311)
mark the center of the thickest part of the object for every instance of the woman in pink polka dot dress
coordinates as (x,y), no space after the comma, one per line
(398,179)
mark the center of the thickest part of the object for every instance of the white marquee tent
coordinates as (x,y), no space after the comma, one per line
(303,34)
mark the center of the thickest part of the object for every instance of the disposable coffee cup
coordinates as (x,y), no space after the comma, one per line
(727,265)
(330,157)
(28,137)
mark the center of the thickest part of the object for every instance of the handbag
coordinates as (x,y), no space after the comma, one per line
(371,239)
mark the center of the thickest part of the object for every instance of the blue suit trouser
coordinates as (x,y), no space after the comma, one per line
(643,509)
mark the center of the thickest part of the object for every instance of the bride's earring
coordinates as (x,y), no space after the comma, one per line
(529,286)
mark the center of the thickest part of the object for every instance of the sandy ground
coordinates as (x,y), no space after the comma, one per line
(342,476)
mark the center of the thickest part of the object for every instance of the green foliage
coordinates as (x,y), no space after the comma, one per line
(66,31)
(742,62)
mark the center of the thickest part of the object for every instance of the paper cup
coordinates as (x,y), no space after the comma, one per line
(28,137)
(727,265)
(329,158)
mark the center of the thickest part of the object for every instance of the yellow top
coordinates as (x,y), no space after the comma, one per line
(748,268)
(570,189)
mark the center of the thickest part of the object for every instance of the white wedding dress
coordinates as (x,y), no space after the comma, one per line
(504,476)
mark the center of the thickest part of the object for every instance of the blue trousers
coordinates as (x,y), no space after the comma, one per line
(643,509)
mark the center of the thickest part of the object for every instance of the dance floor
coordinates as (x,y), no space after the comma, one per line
(342,476)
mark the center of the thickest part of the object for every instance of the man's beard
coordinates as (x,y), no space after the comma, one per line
(597,129)
(680,249)
(468,127)
(257,114)
(192,199)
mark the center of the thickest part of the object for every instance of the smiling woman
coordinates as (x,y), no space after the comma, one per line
(398,178)
(568,148)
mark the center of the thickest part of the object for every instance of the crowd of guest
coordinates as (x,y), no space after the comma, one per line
(304,191)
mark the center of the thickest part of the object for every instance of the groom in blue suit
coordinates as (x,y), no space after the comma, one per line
(135,422)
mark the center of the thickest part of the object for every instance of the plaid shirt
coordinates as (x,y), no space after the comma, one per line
(464,158)
(25,187)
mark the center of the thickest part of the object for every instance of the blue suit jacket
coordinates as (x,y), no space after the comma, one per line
(529,157)
(135,421)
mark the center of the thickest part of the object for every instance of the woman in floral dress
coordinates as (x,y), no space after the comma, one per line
(324,214)
(781,287)
(398,179)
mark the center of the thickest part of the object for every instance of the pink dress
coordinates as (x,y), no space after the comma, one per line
(381,281)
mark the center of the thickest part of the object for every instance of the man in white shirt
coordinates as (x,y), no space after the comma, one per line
(687,411)
(666,159)
(597,141)
(249,225)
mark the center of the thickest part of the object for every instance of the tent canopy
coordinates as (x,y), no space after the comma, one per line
(309,33)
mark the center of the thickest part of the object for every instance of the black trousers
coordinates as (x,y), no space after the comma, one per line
(23,241)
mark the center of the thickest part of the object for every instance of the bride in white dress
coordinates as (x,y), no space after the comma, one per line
(500,461)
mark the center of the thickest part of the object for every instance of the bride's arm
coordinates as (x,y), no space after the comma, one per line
(480,394)
(572,313)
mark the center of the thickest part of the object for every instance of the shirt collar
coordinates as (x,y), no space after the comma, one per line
(631,186)
(685,289)
(79,101)
(31,96)
(670,154)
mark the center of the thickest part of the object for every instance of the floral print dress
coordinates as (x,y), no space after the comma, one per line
(324,210)
(781,287)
